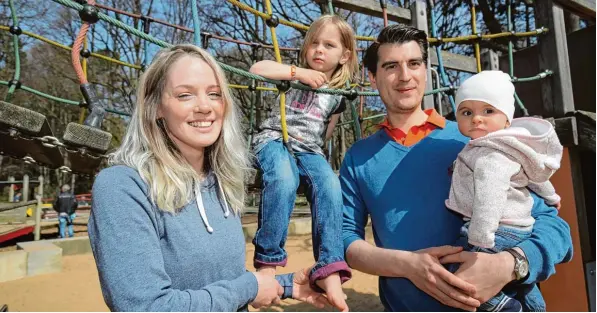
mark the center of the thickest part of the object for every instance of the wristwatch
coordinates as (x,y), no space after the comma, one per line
(521,264)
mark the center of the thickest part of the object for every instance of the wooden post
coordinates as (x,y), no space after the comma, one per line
(556,90)
(567,289)
(490,60)
(25,197)
(37,231)
(11,192)
(418,14)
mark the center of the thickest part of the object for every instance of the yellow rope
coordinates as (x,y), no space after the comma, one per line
(247,87)
(474,25)
(491,36)
(44,39)
(268,6)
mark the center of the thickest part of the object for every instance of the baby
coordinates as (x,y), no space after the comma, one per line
(495,173)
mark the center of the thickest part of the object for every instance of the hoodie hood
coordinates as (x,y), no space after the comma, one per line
(532,142)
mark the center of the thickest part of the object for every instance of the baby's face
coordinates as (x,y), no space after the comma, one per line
(477,119)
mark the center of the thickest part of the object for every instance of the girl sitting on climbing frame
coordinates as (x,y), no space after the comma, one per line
(328,58)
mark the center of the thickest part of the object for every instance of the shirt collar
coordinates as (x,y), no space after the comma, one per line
(433,118)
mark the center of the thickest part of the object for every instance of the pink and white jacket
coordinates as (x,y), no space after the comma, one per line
(492,173)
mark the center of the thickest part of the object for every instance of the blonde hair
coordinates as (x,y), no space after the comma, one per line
(148,149)
(345,72)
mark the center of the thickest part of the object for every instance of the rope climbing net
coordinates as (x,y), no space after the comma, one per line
(90,13)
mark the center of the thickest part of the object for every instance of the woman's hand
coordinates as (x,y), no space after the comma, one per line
(309,77)
(269,291)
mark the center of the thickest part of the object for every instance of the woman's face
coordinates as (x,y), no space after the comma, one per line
(192,105)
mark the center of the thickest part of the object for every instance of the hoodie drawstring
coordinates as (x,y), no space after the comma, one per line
(202,208)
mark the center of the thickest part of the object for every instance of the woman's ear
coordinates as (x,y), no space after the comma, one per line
(159,112)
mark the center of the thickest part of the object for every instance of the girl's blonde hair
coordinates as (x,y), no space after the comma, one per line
(148,149)
(346,72)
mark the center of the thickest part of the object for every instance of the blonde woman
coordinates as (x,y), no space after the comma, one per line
(165,228)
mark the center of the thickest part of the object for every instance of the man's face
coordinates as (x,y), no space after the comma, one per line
(401,76)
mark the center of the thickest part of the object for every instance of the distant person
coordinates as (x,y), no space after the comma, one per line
(65,205)
(18,197)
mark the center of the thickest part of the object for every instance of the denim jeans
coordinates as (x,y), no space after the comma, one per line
(505,237)
(281,174)
(63,222)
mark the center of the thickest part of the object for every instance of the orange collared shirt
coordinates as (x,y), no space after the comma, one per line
(417,132)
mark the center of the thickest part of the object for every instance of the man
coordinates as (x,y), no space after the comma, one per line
(400,178)
(65,205)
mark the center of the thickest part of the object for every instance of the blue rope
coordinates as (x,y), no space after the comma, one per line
(196,24)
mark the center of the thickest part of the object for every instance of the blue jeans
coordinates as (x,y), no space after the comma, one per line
(505,237)
(281,174)
(62,225)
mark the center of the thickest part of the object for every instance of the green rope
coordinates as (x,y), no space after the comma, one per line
(15,40)
(57,99)
(330,7)
(252,116)
(511,60)
(196,23)
(355,116)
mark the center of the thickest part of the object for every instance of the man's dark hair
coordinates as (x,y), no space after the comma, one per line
(395,34)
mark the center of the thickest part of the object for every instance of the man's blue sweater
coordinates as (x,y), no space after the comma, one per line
(403,190)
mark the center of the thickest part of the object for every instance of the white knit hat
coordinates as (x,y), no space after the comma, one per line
(492,87)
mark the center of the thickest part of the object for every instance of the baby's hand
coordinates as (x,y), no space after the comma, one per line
(309,77)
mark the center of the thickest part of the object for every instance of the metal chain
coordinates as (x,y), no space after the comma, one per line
(50,142)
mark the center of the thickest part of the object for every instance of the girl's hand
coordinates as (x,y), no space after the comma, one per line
(309,77)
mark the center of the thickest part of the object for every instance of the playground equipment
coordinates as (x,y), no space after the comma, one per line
(552,76)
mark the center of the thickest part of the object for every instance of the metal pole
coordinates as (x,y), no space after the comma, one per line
(40,189)
(25,188)
(11,192)
(37,231)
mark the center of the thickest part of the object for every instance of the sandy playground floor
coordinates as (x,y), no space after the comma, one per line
(77,288)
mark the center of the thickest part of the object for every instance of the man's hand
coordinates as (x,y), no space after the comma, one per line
(489,273)
(302,291)
(430,276)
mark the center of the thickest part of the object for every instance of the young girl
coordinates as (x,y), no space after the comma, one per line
(328,59)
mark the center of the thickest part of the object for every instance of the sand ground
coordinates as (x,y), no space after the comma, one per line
(77,288)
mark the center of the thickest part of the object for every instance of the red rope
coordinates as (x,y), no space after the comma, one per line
(77,45)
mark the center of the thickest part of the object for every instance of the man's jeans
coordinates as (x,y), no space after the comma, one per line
(63,222)
(281,174)
(505,237)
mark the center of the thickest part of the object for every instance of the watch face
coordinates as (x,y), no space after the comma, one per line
(523,269)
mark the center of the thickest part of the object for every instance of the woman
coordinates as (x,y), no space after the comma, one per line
(165,227)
